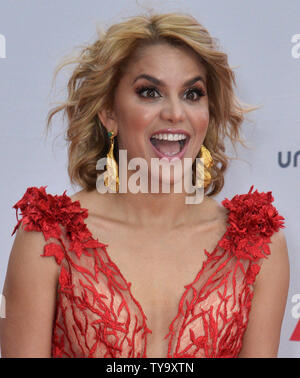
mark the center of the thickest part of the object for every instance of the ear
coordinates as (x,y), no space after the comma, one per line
(108,121)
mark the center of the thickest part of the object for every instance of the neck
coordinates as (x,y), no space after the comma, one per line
(155,210)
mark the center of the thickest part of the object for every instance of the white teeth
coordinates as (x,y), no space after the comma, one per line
(169,136)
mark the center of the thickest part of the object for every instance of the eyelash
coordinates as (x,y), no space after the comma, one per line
(144,88)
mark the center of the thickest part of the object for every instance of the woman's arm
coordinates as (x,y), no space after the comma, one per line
(262,336)
(30,294)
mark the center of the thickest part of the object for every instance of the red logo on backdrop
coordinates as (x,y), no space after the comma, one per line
(296,334)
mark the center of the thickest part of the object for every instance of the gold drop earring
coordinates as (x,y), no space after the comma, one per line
(208,162)
(111,174)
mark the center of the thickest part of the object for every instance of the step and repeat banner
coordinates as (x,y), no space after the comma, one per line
(262,40)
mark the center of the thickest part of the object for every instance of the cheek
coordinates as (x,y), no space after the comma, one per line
(136,119)
(201,121)
(141,118)
(132,126)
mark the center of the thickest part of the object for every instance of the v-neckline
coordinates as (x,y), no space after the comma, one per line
(129,284)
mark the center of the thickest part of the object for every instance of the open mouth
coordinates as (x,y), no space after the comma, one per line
(169,144)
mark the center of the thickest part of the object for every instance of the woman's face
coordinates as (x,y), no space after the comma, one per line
(154,96)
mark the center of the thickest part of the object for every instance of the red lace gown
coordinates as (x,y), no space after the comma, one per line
(96,313)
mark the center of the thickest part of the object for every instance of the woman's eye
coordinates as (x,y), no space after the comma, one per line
(199,92)
(149,90)
(193,94)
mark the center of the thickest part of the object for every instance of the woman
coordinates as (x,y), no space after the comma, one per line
(142,274)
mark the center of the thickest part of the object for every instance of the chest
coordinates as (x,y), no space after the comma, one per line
(158,265)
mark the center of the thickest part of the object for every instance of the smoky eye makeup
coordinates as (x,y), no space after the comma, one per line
(148,89)
(153,90)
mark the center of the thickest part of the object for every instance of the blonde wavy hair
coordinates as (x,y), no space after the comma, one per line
(100,66)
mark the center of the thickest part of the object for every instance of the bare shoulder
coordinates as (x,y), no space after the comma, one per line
(271,286)
(30,292)
(26,253)
(276,266)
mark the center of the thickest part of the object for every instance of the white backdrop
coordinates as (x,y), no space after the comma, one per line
(262,38)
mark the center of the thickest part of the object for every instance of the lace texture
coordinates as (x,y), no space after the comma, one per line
(96,313)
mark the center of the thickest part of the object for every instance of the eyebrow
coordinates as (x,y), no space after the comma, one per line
(162,84)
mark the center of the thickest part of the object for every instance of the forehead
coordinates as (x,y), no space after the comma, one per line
(165,61)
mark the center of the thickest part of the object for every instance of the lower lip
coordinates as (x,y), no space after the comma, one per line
(179,155)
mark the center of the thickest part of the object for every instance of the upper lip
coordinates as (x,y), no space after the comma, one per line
(170,131)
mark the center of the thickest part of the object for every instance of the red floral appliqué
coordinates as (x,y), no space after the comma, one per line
(96,313)
(253,219)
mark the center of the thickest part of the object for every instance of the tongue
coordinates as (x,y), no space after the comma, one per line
(167,147)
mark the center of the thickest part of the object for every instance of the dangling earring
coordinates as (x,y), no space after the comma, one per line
(208,162)
(112,178)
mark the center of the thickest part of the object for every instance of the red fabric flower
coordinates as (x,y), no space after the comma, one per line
(253,219)
(47,213)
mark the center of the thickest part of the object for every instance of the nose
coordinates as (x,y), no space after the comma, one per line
(172,111)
